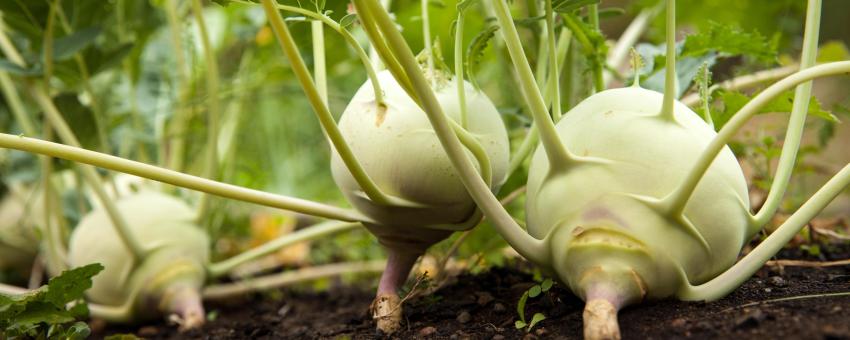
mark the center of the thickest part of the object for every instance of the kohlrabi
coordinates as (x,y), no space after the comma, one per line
(20,213)
(167,280)
(400,152)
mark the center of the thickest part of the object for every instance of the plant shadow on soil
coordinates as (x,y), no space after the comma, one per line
(483,306)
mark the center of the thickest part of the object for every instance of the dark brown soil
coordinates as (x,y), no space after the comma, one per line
(484,307)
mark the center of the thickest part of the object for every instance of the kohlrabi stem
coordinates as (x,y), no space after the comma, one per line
(327,121)
(558,155)
(319,72)
(553,84)
(670,64)
(747,266)
(368,64)
(12,290)
(525,148)
(745,81)
(461,89)
(528,246)
(799,111)
(426,37)
(307,234)
(211,165)
(290,277)
(13,100)
(627,40)
(174,27)
(120,313)
(138,123)
(675,202)
(704,92)
(178,178)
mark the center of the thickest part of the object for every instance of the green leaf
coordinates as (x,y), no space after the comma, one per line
(565,6)
(833,51)
(533,292)
(687,69)
(347,20)
(519,324)
(475,52)
(71,284)
(520,306)
(730,40)
(546,285)
(535,320)
(529,21)
(733,101)
(610,12)
(65,47)
(13,68)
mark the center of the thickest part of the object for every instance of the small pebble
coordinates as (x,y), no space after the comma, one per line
(768,290)
(777,281)
(498,307)
(148,331)
(426,331)
(679,322)
(464,317)
(484,298)
(284,310)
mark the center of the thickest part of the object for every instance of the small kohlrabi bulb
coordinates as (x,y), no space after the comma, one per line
(168,279)
(399,150)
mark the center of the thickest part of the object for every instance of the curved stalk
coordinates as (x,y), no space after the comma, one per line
(290,277)
(593,16)
(670,66)
(307,234)
(799,111)
(12,290)
(54,255)
(379,45)
(177,147)
(179,179)
(558,155)
(732,278)
(533,249)
(211,164)
(327,121)
(675,202)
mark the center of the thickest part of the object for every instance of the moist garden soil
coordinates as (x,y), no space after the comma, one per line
(483,306)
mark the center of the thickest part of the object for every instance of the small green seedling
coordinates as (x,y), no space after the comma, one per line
(532,292)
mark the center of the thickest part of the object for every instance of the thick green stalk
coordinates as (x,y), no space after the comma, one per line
(319,72)
(176,135)
(461,89)
(675,202)
(558,155)
(178,178)
(732,278)
(798,118)
(55,261)
(554,83)
(670,66)
(379,45)
(533,249)
(327,121)
(211,164)
(307,234)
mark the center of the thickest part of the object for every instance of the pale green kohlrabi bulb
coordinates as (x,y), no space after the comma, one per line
(596,224)
(172,272)
(400,151)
